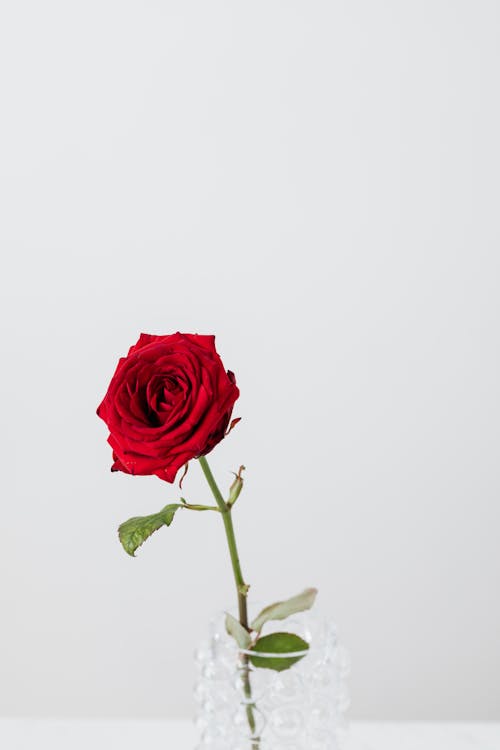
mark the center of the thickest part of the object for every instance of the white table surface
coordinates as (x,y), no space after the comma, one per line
(107,734)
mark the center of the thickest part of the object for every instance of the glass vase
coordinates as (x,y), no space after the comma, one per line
(242,706)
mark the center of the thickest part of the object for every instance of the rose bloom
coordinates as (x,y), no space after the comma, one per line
(169,400)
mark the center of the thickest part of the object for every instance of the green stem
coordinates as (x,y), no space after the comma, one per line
(190,506)
(225,510)
(241,587)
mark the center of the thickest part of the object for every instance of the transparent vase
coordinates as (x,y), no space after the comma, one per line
(244,706)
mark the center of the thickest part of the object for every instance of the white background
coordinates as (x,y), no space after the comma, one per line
(318,184)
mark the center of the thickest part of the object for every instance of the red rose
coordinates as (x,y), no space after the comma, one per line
(169,400)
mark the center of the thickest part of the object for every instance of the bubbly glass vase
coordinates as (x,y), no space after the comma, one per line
(249,706)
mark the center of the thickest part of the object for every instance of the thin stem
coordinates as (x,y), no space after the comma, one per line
(241,587)
(212,483)
(190,506)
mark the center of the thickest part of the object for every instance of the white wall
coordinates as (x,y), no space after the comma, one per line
(318,184)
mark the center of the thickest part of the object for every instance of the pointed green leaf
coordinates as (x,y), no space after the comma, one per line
(238,632)
(278,643)
(136,530)
(281,610)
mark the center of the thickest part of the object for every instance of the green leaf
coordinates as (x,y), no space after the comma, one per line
(136,530)
(238,632)
(281,610)
(278,643)
(236,487)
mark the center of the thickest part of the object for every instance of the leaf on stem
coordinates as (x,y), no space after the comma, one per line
(278,643)
(236,487)
(238,632)
(136,530)
(282,610)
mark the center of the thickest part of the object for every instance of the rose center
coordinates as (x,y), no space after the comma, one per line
(161,395)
